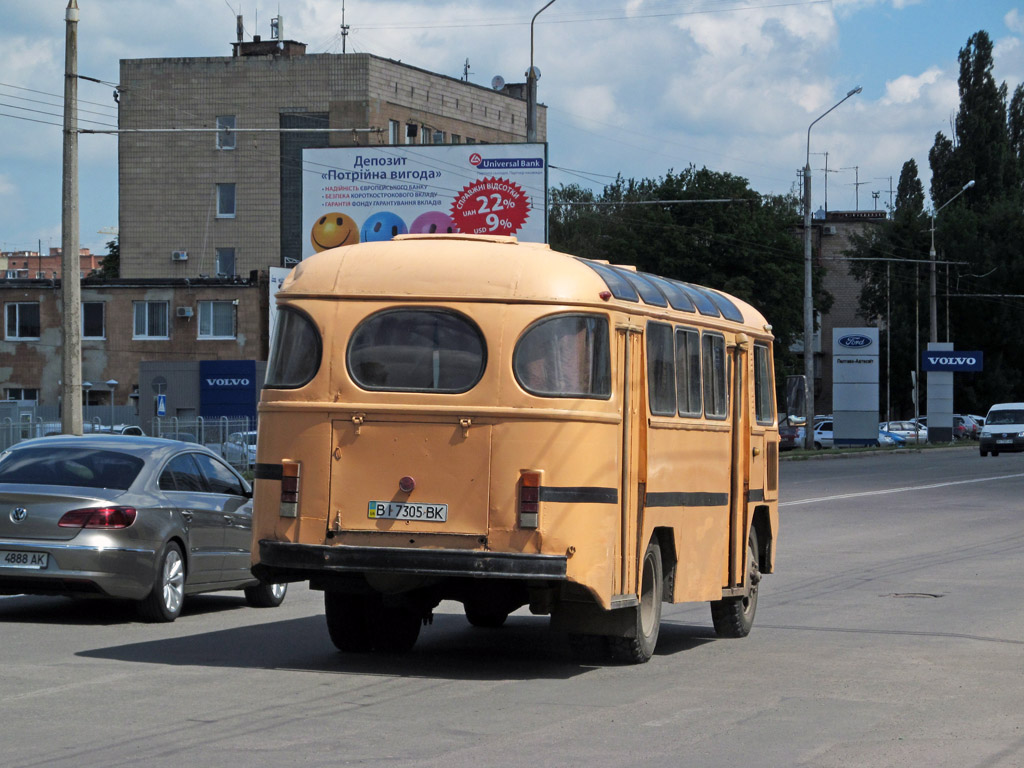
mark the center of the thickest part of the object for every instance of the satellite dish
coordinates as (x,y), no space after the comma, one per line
(535,71)
(497,82)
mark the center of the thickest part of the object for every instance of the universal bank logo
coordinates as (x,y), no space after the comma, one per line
(505,163)
(854,341)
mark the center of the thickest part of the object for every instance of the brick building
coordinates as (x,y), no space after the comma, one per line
(33,264)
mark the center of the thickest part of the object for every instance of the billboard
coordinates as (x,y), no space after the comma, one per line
(360,194)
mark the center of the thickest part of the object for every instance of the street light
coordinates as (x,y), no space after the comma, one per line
(809,289)
(86,386)
(112,383)
(933,318)
(531,86)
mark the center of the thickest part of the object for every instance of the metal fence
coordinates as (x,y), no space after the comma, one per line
(232,438)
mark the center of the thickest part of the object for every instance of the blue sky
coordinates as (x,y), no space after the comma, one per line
(633,86)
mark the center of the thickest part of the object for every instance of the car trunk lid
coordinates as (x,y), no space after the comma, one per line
(33,515)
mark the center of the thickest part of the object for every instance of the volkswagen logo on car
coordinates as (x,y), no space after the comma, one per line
(18,514)
(854,341)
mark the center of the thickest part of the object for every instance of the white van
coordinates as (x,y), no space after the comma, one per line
(1003,430)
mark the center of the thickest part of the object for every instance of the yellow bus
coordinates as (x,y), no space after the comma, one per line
(455,417)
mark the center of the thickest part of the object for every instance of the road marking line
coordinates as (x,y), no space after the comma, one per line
(884,491)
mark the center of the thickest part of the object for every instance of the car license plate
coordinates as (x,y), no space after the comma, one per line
(397,510)
(1004,442)
(36,560)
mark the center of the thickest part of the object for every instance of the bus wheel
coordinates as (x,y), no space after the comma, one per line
(486,616)
(639,649)
(348,621)
(395,629)
(734,616)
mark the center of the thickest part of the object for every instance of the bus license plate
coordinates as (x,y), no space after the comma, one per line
(36,560)
(397,510)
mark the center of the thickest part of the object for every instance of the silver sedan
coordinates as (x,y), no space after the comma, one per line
(141,518)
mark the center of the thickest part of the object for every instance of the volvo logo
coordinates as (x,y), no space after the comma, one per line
(854,341)
(227,382)
(18,514)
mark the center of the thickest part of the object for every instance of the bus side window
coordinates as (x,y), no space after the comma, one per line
(688,371)
(764,398)
(716,371)
(661,375)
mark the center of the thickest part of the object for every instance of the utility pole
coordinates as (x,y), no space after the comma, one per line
(344,27)
(70,285)
(531,86)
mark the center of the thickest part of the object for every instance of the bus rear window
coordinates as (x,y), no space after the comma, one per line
(417,350)
(565,356)
(295,351)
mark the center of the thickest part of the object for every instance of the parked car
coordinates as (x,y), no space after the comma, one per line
(890,439)
(1003,430)
(141,518)
(980,421)
(965,427)
(912,432)
(791,433)
(823,437)
(240,449)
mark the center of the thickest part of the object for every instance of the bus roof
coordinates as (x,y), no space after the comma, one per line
(473,267)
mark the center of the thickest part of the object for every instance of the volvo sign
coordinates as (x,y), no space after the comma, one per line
(952,361)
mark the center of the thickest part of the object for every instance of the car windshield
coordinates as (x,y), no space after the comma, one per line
(82,467)
(1005,417)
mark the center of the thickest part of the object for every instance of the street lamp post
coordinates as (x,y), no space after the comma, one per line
(531,86)
(86,386)
(809,288)
(933,315)
(112,383)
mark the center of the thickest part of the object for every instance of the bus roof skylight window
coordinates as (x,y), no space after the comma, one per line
(417,350)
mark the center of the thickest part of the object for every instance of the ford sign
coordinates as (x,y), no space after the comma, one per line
(854,341)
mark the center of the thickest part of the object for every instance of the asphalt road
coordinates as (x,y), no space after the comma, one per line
(892,634)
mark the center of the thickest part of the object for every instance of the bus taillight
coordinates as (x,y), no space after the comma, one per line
(289,488)
(529,498)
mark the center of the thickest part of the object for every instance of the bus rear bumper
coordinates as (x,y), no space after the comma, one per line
(284,561)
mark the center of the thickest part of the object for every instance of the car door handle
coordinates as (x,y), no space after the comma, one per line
(187,515)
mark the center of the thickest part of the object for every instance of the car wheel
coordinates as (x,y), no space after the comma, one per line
(639,649)
(817,445)
(164,601)
(265,595)
(983,452)
(734,616)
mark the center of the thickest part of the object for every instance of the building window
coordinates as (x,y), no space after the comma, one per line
(225,132)
(23,320)
(394,132)
(22,393)
(439,137)
(216,319)
(225,201)
(424,135)
(470,141)
(410,133)
(456,139)
(150,320)
(225,262)
(92,320)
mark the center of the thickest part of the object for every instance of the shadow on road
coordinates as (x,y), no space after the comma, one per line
(34,609)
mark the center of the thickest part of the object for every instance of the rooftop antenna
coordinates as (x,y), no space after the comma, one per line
(277,27)
(239,27)
(344,27)
(465,71)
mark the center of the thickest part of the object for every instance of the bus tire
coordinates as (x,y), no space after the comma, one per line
(639,649)
(395,629)
(734,616)
(484,616)
(348,621)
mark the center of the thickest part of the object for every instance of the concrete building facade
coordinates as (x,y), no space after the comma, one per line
(211,183)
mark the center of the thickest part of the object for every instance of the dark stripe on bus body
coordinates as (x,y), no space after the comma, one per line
(756,494)
(579,495)
(267,472)
(691,499)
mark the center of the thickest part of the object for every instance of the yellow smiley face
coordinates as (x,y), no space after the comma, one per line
(333,229)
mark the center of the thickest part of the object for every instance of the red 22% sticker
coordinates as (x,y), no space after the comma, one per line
(491,207)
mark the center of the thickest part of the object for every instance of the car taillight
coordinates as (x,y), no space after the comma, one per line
(99,517)
(529,498)
(290,471)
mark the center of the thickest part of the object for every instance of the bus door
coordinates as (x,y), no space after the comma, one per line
(634,457)
(741,461)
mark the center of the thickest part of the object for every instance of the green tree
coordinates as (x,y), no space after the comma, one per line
(701,227)
(110,267)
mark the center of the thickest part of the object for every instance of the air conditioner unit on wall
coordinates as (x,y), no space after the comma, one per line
(179,255)
(828,229)
(184,312)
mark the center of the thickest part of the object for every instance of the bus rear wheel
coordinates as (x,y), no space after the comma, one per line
(348,621)
(639,649)
(734,616)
